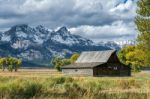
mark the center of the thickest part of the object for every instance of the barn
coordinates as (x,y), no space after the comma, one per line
(97,63)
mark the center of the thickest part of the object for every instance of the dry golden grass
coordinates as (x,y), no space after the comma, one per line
(54,72)
(50,82)
(32,73)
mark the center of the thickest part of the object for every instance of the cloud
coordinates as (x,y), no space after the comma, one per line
(116,31)
(85,16)
(126,11)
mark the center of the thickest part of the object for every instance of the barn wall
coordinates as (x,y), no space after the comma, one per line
(111,69)
(125,70)
(88,72)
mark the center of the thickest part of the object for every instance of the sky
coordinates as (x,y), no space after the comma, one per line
(98,20)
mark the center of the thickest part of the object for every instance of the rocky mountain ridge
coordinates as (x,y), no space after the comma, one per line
(39,45)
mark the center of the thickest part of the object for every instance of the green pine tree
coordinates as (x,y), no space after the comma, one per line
(143,25)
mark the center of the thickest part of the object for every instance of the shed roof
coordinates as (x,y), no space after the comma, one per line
(95,56)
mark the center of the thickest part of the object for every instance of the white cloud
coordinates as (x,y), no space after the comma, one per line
(88,5)
(123,6)
(34,5)
(125,10)
(115,31)
(90,18)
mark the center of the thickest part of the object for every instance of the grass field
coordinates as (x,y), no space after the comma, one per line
(32,73)
(50,84)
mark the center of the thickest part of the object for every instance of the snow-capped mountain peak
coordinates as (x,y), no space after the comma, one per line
(21,27)
(63,30)
(42,29)
(40,45)
(65,37)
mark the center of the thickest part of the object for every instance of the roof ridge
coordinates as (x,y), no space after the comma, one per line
(100,51)
(89,62)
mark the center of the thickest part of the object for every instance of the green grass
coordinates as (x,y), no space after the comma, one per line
(42,86)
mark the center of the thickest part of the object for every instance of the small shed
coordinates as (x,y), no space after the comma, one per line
(97,63)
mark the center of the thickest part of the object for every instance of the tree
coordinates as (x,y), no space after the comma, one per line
(143,25)
(133,57)
(17,64)
(14,63)
(74,57)
(139,55)
(58,62)
(3,63)
(10,63)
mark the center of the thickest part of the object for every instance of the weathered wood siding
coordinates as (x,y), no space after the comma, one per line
(88,72)
(112,69)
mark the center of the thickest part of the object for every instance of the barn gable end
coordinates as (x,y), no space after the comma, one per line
(113,58)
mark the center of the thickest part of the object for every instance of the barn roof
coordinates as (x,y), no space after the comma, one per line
(91,59)
(82,65)
(95,56)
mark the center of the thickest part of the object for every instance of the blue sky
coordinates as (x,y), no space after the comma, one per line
(95,19)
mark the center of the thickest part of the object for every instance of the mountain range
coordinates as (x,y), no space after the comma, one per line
(38,45)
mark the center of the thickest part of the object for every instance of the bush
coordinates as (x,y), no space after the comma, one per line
(19,88)
(73,90)
(127,84)
(62,80)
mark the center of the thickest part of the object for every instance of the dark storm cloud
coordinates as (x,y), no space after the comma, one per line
(9,15)
(59,12)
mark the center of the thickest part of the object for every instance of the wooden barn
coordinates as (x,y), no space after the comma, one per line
(97,63)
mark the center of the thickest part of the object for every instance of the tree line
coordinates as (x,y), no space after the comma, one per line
(10,63)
